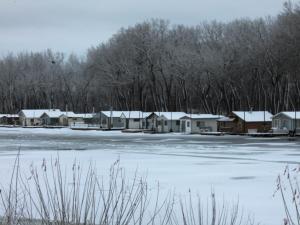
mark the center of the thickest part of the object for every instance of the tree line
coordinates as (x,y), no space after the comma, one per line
(213,67)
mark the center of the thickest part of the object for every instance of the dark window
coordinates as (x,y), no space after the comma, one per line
(188,123)
(177,122)
(200,124)
(158,123)
(136,120)
(166,123)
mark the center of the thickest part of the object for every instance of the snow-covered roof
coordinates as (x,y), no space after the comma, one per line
(225,119)
(132,114)
(112,113)
(203,116)
(53,114)
(147,114)
(69,114)
(290,114)
(9,115)
(172,115)
(254,116)
(126,114)
(84,115)
(37,113)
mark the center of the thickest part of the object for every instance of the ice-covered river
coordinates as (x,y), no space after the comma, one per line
(237,168)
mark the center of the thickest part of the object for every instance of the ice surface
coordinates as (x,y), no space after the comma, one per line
(237,168)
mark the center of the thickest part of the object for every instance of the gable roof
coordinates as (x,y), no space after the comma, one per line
(71,114)
(133,114)
(289,114)
(148,114)
(203,116)
(173,115)
(53,114)
(37,113)
(226,119)
(126,114)
(83,115)
(254,116)
(112,113)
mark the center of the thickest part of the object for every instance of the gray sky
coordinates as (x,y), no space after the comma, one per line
(75,25)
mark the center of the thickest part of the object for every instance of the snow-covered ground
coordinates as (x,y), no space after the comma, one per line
(237,168)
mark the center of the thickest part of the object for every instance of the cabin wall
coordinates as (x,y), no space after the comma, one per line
(282,123)
(165,126)
(226,126)
(252,127)
(151,122)
(134,123)
(30,121)
(69,121)
(200,126)
(9,120)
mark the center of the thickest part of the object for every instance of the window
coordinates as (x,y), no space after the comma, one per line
(166,123)
(104,121)
(158,123)
(177,122)
(200,124)
(188,124)
(136,120)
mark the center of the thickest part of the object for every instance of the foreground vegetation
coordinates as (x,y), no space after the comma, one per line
(213,67)
(52,195)
(49,196)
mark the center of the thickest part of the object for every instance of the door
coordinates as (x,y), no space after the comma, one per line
(188,127)
(183,126)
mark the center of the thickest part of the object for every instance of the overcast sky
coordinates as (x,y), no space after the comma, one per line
(75,25)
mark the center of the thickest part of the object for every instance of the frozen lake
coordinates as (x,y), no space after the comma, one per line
(237,168)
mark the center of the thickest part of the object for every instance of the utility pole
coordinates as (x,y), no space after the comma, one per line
(244,124)
(295,121)
(110,118)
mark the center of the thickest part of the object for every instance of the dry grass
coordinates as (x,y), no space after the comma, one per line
(288,188)
(49,197)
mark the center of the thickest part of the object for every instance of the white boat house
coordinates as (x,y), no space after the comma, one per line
(286,122)
(199,123)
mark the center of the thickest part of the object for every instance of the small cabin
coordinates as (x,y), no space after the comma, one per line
(286,122)
(199,123)
(9,119)
(70,119)
(32,117)
(134,119)
(111,119)
(51,118)
(151,120)
(169,122)
(246,122)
